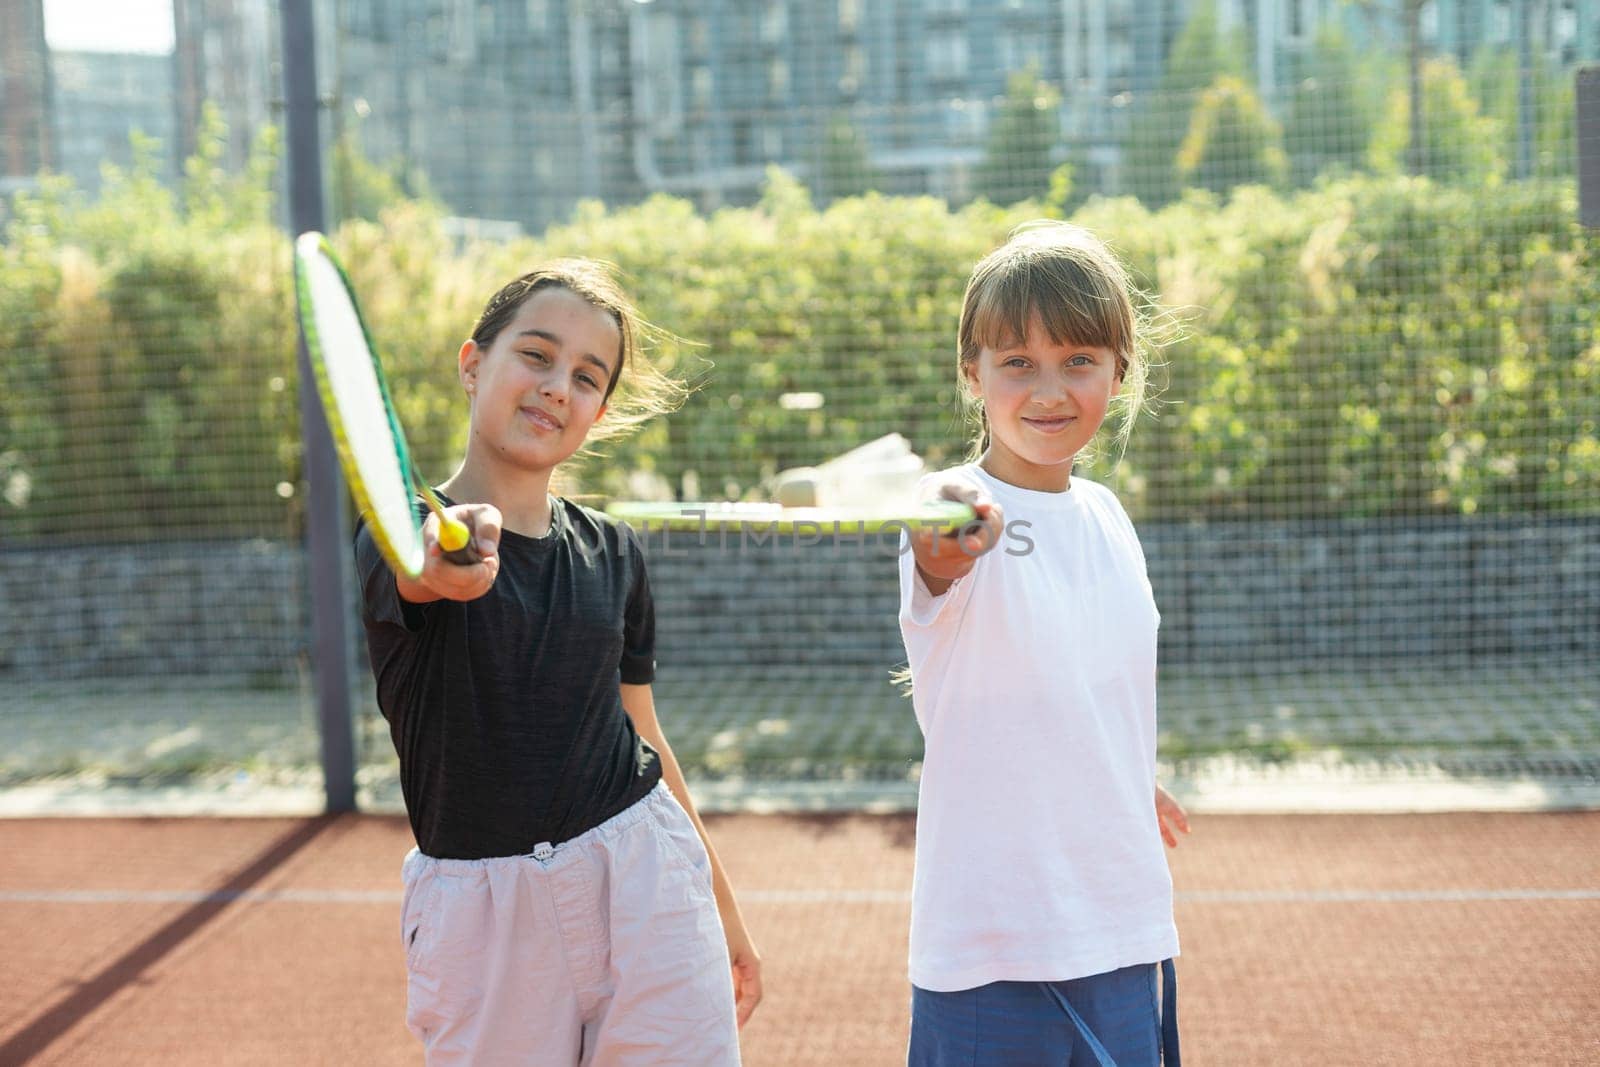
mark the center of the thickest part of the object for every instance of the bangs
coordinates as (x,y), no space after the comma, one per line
(1076,306)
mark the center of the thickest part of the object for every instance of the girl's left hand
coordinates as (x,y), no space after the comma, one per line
(1171,817)
(746,971)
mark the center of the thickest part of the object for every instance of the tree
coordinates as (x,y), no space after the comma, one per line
(1201,54)
(1416,108)
(1329,123)
(1231,141)
(1065,195)
(1462,145)
(1410,17)
(846,167)
(1495,78)
(1022,136)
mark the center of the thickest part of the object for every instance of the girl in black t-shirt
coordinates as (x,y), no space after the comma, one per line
(564,904)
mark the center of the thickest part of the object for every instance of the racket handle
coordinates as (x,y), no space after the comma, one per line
(456,540)
(463,557)
(453,533)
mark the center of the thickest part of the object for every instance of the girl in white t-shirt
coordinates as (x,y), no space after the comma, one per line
(1042,904)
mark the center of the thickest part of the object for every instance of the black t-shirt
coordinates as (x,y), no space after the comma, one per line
(505,710)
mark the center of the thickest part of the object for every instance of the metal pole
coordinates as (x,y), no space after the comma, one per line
(1588,146)
(1525,116)
(324,506)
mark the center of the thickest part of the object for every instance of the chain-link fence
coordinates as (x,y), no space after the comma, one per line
(1369,489)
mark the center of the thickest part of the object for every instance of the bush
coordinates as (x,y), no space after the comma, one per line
(1373,346)
(149,365)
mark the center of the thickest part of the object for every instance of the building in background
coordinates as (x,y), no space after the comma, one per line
(712,92)
(101,100)
(516,110)
(224,53)
(27,142)
(507,109)
(1564,31)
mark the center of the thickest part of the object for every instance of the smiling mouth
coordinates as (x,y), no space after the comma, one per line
(1051,425)
(541,419)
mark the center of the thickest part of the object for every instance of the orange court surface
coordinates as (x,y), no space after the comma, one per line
(1307,939)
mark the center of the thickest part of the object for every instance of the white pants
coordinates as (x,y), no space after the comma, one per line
(605,950)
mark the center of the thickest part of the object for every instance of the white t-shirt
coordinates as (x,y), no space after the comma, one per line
(1039,857)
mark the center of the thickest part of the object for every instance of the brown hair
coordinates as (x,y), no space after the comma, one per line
(1078,288)
(649,391)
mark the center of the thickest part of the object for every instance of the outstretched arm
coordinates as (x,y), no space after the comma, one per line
(945,557)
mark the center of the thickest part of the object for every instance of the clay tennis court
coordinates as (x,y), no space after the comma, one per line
(1388,939)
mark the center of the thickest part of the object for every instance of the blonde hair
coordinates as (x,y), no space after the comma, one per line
(648,389)
(1081,292)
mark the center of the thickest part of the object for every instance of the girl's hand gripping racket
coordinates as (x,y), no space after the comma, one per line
(372,449)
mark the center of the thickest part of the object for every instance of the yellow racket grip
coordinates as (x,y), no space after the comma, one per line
(453,534)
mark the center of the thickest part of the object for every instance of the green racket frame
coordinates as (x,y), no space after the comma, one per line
(312,243)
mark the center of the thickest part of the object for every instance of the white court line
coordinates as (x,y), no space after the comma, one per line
(1378,896)
(794,896)
(1309,787)
(199,896)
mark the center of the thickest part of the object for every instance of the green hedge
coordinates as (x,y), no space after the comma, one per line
(1376,346)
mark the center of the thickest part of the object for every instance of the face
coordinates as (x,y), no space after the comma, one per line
(1044,400)
(542,383)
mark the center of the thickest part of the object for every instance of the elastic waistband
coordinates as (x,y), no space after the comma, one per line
(550,854)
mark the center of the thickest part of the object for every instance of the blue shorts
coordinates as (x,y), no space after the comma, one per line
(1115,1019)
